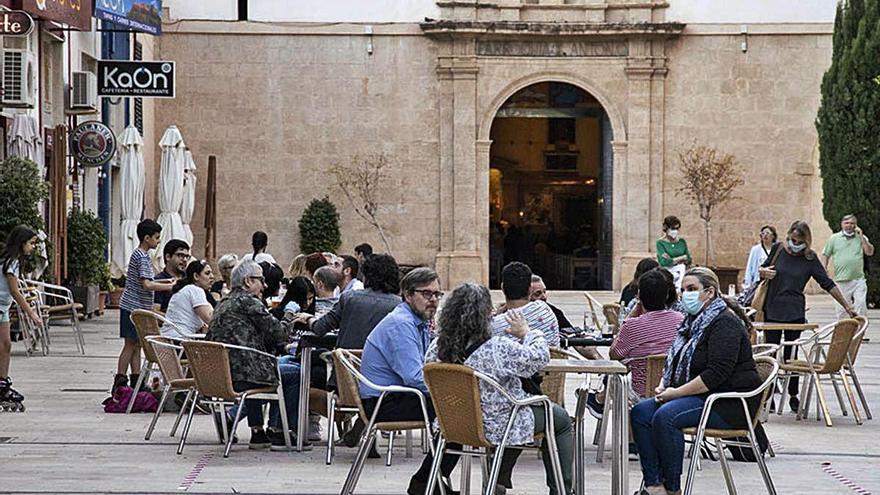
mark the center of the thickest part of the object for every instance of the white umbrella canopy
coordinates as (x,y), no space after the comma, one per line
(24,139)
(189,196)
(131,195)
(170,190)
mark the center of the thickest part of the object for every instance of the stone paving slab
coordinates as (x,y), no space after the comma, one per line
(64,443)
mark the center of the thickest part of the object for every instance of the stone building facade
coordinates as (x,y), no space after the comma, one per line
(278,101)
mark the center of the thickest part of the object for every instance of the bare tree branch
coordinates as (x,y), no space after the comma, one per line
(359,181)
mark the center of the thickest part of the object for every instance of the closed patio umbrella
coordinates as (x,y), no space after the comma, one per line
(170,190)
(24,140)
(131,195)
(189,196)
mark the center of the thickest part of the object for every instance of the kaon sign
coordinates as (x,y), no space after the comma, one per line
(137,79)
(140,15)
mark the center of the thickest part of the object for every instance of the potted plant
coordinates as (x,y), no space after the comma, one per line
(709,178)
(86,262)
(115,293)
(105,286)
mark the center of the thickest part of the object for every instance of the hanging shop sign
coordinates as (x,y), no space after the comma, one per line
(136,78)
(92,143)
(140,15)
(75,13)
(16,23)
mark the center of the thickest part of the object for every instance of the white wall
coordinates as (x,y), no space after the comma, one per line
(751,11)
(202,9)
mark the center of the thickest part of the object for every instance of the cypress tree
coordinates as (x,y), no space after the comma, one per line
(319,227)
(848,124)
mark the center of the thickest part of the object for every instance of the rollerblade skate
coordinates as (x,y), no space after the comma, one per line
(10,399)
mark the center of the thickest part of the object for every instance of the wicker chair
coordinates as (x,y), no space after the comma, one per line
(455,392)
(822,362)
(348,376)
(33,334)
(147,325)
(595,306)
(209,363)
(60,306)
(611,311)
(767,370)
(340,402)
(173,374)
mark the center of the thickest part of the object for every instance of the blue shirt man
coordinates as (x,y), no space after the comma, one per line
(394,353)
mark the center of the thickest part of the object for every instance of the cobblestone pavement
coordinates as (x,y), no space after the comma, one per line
(64,443)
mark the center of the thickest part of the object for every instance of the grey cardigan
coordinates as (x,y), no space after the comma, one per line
(355,315)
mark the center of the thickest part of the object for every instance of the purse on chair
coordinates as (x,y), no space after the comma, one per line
(760,296)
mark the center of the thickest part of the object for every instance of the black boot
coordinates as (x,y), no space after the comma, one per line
(119,380)
(133,380)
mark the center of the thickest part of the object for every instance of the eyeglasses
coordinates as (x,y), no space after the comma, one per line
(429,294)
(183,256)
(260,278)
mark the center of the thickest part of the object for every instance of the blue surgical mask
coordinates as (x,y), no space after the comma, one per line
(796,248)
(691,302)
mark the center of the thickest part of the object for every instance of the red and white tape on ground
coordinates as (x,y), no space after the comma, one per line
(826,466)
(194,473)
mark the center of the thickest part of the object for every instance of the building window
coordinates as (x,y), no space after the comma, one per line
(242,10)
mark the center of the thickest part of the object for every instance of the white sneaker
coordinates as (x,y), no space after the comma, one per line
(314,428)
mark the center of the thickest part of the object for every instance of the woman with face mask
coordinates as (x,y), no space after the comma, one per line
(795,264)
(672,250)
(711,354)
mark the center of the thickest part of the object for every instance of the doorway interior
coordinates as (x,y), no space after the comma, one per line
(550,187)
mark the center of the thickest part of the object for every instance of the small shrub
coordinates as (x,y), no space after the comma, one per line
(319,227)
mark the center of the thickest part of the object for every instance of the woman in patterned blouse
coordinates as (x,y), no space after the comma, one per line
(465,338)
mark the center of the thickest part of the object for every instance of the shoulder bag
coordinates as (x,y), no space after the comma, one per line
(760,296)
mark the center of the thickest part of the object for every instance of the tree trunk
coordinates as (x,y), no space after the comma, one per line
(709,253)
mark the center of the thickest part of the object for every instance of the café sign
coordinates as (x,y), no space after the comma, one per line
(140,15)
(92,143)
(16,23)
(75,13)
(137,78)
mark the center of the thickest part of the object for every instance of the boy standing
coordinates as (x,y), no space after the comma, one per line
(138,294)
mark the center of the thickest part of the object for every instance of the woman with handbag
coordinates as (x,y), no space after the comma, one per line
(788,268)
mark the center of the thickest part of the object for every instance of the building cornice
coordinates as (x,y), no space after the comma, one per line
(447,28)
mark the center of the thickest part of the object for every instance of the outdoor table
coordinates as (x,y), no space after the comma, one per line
(307,342)
(763,326)
(588,341)
(618,387)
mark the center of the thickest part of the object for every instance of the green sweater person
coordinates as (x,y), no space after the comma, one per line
(671,249)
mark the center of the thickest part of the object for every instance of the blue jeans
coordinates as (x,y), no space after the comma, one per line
(657,432)
(253,408)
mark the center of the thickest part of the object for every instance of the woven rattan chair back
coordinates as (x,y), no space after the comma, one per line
(611,311)
(455,392)
(593,311)
(653,372)
(856,343)
(553,384)
(346,383)
(764,365)
(167,357)
(841,339)
(209,363)
(347,391)
(147,325)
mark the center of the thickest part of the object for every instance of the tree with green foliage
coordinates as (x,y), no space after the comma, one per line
(848,124)
(86,242)
(319,227)
(22,190)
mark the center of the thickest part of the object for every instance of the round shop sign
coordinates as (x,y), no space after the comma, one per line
(92,144)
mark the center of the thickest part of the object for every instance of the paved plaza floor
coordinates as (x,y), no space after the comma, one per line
(64,443)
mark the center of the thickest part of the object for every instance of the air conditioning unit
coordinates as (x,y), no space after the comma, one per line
(84,92)
(18,78)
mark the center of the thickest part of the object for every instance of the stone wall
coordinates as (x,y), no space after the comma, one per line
(277,110)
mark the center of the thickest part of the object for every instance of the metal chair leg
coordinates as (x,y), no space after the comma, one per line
(765,473)
(331,427)
(725,468)
(409,443)
(192,410)
(692,466)
(439,450)
(165,394)
(140,380)
(782,400)
(182,411)
(390,448)
(234,427)
(367,439)
(858,387)
(465,465)
(838,394)
(821,399)
(852,398)
(603,428)
(550,439)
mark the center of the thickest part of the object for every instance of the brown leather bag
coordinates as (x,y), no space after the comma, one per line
(761,291)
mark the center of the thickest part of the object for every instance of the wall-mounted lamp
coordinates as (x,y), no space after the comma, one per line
(744,31)
(368,30)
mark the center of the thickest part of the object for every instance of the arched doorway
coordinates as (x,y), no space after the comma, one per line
(550,187)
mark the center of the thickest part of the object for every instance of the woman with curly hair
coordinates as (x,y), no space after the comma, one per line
(465,338)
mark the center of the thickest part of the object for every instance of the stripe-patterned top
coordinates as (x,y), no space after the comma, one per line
(135,296)
(538,315)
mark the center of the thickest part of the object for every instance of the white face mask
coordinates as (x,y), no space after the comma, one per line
(672,233)
(849,234)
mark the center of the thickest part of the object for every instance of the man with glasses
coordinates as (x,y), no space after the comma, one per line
(395,354)
(176,256)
